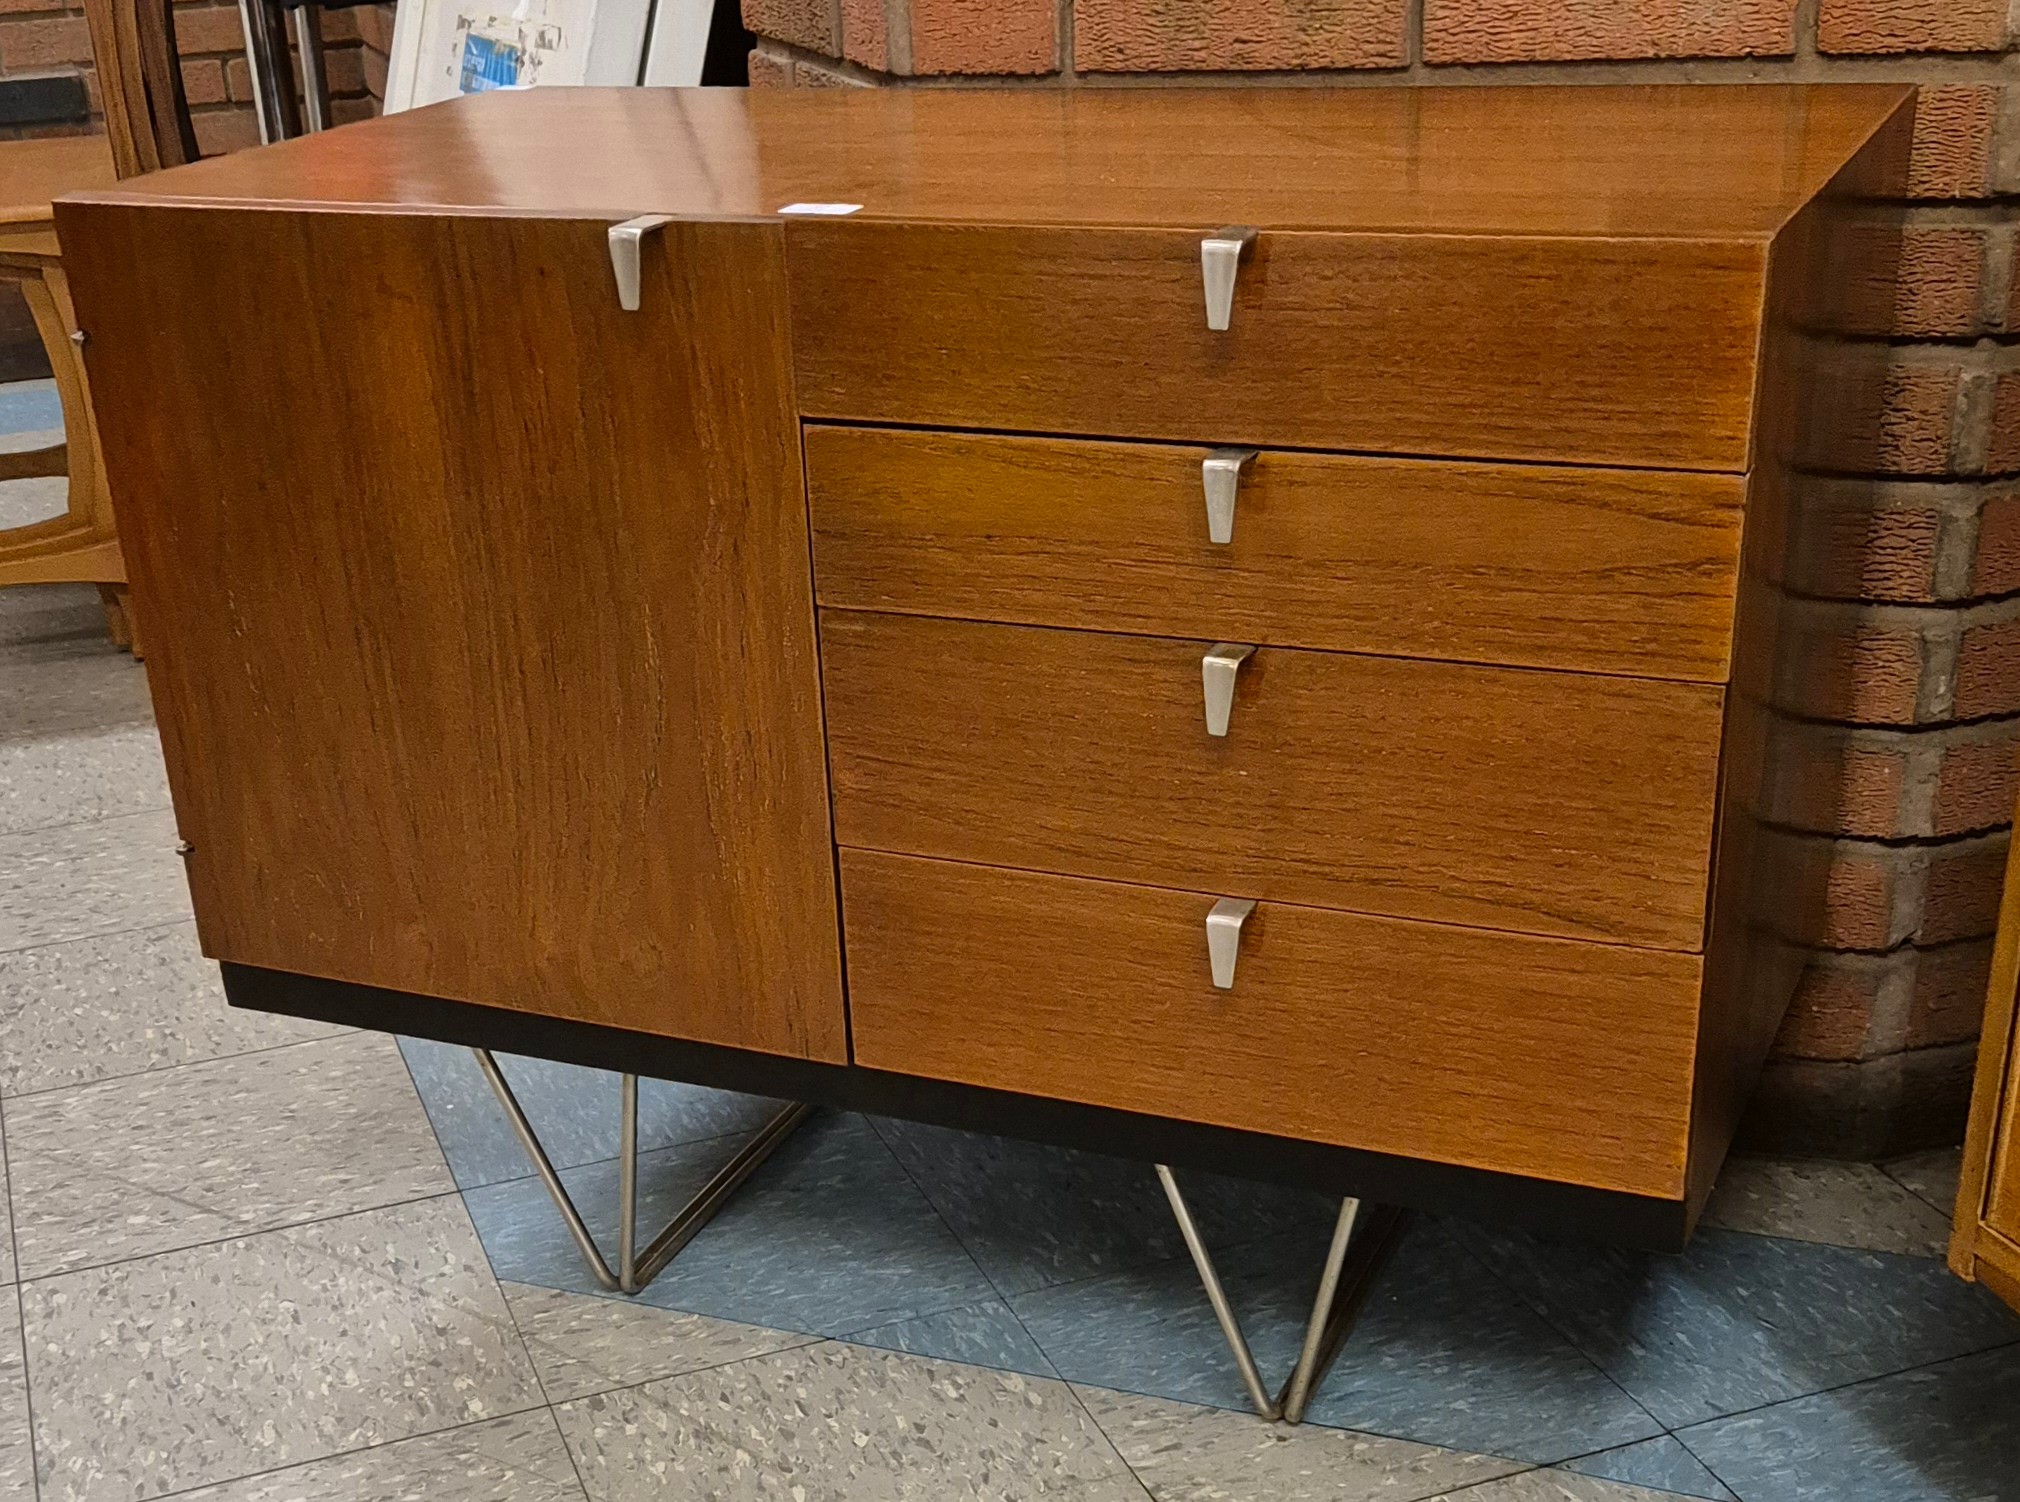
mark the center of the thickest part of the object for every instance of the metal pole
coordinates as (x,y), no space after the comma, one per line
(1300,1390)
(315,77)
(1223,1311)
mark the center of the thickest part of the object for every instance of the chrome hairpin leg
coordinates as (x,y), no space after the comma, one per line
(1351,1263)
(635,1269)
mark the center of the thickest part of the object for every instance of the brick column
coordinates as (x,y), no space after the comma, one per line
(48,36)
(1906,565)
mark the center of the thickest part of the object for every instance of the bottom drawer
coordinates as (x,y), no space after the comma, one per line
(1544,1057)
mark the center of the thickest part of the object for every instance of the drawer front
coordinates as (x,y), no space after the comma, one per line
(1558,803)
(1533,1056)
(1612,571)
(1595,351)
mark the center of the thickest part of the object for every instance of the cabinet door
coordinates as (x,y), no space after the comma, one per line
(1986,1244)
(478,610)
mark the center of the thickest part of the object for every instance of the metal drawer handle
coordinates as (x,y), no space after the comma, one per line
(1220,256)
(1220,473)
(626,241)
(1222,661)
(1223,937)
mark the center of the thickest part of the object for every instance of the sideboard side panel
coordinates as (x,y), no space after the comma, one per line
(479,611)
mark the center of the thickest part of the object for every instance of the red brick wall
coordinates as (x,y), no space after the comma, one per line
(1910,572)
(47,36)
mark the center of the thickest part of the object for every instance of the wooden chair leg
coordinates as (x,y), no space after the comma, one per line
(117,622)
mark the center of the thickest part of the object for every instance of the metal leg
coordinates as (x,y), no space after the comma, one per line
(636,1269)
(1351,1263)
(315,77)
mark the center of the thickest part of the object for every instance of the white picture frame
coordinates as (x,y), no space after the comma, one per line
(442,48)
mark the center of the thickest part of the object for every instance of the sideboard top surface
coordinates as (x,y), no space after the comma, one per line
(1671,161)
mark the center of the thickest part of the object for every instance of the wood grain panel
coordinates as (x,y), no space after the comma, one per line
(480,610)
(1557,803)
(1619,571)
(1590,351)
(1532,1056)
(1634,160)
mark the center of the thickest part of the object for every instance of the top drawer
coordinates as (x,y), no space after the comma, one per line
(1607,351)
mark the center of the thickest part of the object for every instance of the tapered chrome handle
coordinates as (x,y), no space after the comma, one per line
(1220,256)
(626,246)
(1220,472)
(1223,937)
(1222,661)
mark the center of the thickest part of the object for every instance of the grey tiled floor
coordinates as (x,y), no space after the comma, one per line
(247,1258)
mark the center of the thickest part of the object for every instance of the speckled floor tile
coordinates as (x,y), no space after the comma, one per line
(31,414)
(1556,1486)
(84,879)
(984,1334)
(1442,1352)
(1943,1433)
(1035,1216)
(17,1452)
(151,1162)
(587,1343)
(77,740)
(123,1004)
(517,1459)
(1931,1175)
(38,619)
(23,502)
(573,1109)
(1836,1204)
(828,1237)
(1185,1453)
(838,1423)
(6,1219)
(1739,1321)
(1661,1463)
(200,1366)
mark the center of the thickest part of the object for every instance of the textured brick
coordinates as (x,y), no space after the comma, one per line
(345,69)
(28,46)
(1152,36)
(238,79)
(1831,1014)
(1976,783)
(1911,25)
(866,34)
(1879,1108)
(1865,892)
(804,23)
(1861,667)
(2002,448)
(375,26)
(1961,898)
(1530,31)
(768,72)
(1947,1004)
(1952,153)
(30,7)
(375,72)
(1874,411)
(209,28)
(1988,670)
(811,76)
(1940,271)
(203,82)
(1827,781)
(351,111)
(220,131)
(1995,570)
(1874,551)
(985,36)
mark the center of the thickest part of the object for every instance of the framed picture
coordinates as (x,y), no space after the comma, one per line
(442,48)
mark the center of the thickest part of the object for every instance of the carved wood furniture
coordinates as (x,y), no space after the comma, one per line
(1231,627)
(81,546)
(1986,1242)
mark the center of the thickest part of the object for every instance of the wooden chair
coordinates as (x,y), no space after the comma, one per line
(147,128)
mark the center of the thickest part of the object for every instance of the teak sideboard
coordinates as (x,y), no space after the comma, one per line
(1232,626)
